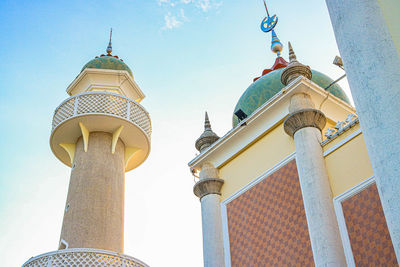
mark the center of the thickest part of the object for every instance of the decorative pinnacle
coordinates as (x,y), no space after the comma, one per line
(294,69)
(207,124)
(292,55)
(207,138)
(109,47)
(276,45)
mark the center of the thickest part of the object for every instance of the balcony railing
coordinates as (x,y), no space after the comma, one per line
(83,257)
(103,103)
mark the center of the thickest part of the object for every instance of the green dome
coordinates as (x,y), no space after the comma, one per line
(268,85)
(109,63)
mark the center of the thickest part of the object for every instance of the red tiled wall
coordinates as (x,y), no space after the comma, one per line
(367,229)
(267,224)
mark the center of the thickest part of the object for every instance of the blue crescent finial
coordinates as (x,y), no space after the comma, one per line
(268,23)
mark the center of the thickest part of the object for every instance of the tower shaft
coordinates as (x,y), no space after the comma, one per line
(94,210)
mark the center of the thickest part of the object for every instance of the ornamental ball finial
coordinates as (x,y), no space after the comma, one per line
(276,45)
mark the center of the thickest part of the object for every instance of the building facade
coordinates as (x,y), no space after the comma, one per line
(294,182)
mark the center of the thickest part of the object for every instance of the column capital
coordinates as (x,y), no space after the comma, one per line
(299,119)
(208,186)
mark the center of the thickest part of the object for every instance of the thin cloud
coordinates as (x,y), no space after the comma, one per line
(174,18)
(171,22)
(204,5)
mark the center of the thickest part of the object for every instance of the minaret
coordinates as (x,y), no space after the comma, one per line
(101,132)
(208,190)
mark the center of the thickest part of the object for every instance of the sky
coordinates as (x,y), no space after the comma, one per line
(187,56)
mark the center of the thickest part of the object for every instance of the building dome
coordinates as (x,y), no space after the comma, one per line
(268,85)
(107,62)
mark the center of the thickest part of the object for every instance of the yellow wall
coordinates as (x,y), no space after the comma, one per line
(255,160)
(349,165)
(391,11)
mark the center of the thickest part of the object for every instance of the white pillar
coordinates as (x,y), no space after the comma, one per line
(304,124)
(213,244)
(373,69)
(208,190)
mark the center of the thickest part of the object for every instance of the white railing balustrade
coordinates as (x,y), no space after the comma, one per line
(104,103)
(83,257)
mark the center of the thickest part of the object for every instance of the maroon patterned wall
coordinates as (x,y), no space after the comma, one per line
(267,224)
(366,224)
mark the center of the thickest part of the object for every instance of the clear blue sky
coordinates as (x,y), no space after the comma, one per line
(187,56)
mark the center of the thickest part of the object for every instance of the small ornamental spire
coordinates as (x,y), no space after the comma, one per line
(207,138)
(207,124)
(294,69)
(292,55)
(109,47)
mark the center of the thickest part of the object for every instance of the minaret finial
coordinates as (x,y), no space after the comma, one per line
(292,55)
(207,124)
(207,138)
(267,25)
(109,47)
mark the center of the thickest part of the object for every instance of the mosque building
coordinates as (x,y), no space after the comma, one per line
(303,178)
(101,131)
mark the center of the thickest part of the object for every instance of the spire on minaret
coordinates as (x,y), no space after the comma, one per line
(294,69)
(109,47)
(292,55)
(207,124)
(207,138)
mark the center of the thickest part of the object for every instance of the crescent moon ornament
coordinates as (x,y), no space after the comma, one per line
(269,23)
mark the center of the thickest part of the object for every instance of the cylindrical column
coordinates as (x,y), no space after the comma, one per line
(373,69)
(304,124)
(208,190)
(94,213)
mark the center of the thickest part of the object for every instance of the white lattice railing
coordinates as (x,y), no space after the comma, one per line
(104,103)
(83,257)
